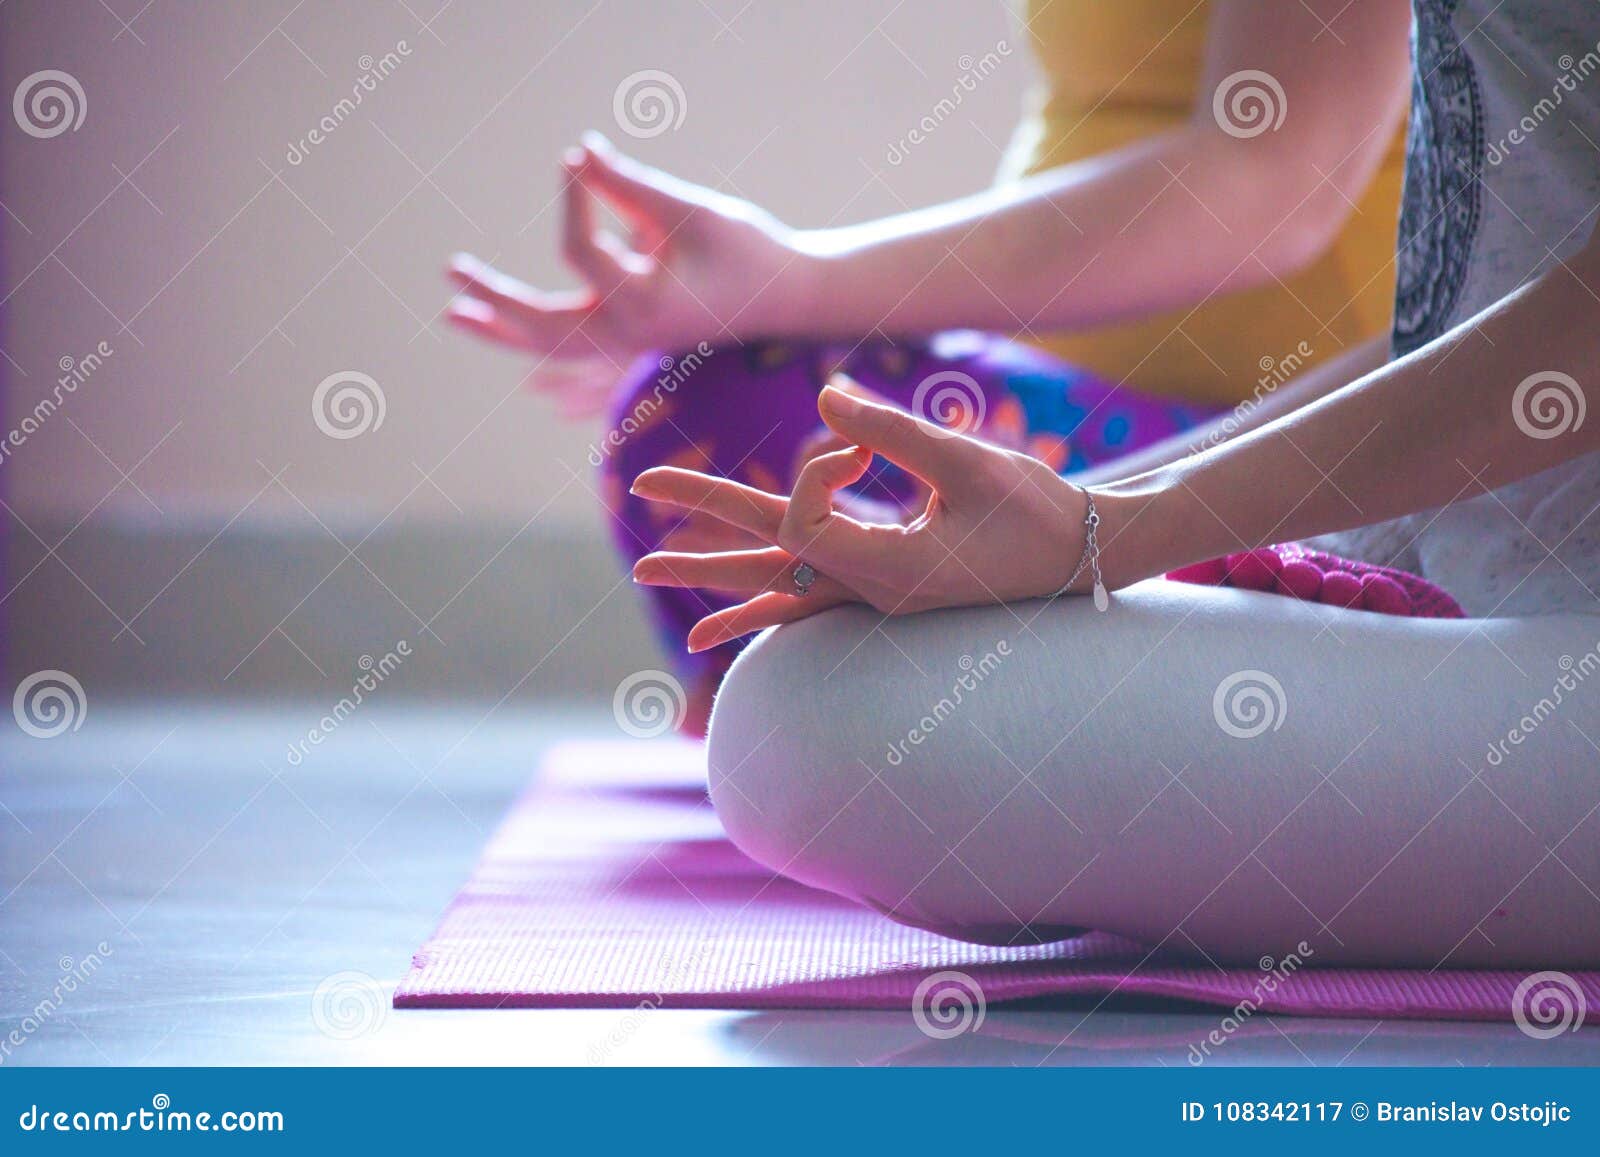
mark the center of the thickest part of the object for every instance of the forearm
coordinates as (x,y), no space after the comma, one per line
(1164,223)
(1432,428)
(1266,405)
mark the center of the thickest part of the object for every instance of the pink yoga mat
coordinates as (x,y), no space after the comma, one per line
(611,884)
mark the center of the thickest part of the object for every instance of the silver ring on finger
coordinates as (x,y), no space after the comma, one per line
(804,575)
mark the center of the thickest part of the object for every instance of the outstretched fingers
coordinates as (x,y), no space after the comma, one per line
(732,502)
(497,306)
(806,525)
(478,280)
(736,572)
(485,321)
(759,613)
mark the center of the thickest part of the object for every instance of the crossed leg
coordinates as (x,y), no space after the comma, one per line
(1211,770)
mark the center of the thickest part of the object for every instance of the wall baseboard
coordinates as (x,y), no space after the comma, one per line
(272,608)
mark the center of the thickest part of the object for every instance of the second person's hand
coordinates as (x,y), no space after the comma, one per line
(697,265)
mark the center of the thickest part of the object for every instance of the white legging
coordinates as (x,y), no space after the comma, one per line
(1206,769)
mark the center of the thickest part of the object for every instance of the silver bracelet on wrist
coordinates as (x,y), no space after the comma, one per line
(1091,558)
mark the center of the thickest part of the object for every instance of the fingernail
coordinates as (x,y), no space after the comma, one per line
(595,141)
(840,402)
(572,158)
(469,309)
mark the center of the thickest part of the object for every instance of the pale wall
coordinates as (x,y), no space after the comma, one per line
(227,295)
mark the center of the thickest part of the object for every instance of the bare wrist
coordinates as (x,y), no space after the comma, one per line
(825,283)
(809,274)
(1139,534)
(1154,524)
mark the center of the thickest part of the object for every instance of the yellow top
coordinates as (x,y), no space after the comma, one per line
(1116,71)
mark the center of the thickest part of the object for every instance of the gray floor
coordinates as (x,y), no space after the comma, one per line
(226,885)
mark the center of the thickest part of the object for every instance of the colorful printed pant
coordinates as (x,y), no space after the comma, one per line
(744,412)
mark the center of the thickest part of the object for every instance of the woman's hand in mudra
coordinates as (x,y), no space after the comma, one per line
(695,263)
(998,526)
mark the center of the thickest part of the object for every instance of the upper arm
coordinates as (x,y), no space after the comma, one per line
(1305,95)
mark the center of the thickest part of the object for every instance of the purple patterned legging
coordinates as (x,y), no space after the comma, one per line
(744,412)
